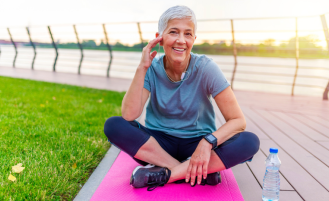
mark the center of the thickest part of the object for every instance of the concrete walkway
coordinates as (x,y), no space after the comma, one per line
(98,82)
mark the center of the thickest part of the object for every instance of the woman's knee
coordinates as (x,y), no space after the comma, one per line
(126,135)
(240,148)
(113,125)
(252,141)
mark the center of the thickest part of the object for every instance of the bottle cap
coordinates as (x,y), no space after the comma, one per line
(273,150)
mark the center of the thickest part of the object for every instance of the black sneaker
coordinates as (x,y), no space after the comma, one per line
(151,176)
(212,179)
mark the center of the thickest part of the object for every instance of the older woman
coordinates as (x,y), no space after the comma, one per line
(180,137)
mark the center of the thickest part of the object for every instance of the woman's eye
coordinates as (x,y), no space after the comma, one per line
(189,34)
(174,32)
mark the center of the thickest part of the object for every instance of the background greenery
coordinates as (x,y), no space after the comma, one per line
(308,48)
(49,128)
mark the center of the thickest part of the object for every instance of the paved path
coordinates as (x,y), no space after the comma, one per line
(297,125)
(98,82)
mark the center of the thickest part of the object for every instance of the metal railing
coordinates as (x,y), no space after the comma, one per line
(233,48)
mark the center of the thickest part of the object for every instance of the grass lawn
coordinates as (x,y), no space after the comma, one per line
(56,132)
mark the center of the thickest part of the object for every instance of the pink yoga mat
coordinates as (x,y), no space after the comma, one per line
(115,186)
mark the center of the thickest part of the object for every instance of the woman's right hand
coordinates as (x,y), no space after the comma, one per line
(147,56)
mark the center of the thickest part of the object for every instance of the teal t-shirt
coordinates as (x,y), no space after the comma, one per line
(183,109)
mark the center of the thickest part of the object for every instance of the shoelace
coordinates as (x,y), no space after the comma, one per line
(158,179)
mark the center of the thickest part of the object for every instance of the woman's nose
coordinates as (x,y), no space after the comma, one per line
(181,39)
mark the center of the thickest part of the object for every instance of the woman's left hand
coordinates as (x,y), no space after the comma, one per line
(199,162)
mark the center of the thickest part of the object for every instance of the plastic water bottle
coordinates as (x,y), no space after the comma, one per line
(271,182)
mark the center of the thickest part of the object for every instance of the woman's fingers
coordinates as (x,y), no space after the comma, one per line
(153,54)
(193,174)
(188,173)
(199,171)
(205,170)
(153,43)
(147,58)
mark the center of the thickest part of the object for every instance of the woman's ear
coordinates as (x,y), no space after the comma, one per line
(157,35)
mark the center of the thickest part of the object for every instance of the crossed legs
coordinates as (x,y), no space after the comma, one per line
(144,144)
(153,153)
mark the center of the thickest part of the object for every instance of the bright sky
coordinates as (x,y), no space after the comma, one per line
(45,12)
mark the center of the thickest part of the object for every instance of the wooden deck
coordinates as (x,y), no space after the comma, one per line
(299,128)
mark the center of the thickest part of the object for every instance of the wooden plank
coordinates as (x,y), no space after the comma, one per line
(304,141)
(254,129)
(304,184)
(323,122)
(257,166)
(289,196)
(284,103)
(292,169)
(316,168)
(249,187)
(311,123)
(258,162)
(324,144)
(302,127)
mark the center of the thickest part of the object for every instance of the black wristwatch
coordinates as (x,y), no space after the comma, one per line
(212,140)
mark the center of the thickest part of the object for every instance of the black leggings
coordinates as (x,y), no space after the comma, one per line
(129,136)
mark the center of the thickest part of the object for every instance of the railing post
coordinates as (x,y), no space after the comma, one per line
(12,41)
(140,35)
(110,49)
(234,54)
(297,58)
(35,52)
(326,33)
(80,47)
(52,38)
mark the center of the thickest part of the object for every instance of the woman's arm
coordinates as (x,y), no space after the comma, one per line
(235,123)
(134,100)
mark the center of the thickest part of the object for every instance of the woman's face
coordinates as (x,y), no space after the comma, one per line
(178,39)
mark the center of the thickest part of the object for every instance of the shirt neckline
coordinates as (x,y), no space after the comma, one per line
(164,71)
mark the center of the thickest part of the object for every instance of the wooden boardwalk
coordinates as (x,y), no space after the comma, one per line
(298,126)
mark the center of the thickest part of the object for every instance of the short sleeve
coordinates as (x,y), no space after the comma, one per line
(215,81)
(147,81)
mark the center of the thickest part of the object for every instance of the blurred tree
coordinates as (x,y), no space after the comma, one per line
(304,42)
(89,43)
(269,42)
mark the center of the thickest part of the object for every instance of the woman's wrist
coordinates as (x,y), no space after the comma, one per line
(207,144)
(142,68)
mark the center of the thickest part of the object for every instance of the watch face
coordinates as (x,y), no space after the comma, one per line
(211,138)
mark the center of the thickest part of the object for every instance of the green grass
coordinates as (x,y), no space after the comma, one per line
(48,128)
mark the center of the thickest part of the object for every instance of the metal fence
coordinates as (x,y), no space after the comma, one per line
(223,30)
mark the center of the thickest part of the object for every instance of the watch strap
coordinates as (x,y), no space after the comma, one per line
(213,142)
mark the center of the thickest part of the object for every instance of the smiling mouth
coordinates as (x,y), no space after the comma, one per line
(179,49)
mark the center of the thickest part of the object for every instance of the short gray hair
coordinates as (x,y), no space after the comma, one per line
(175,12)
